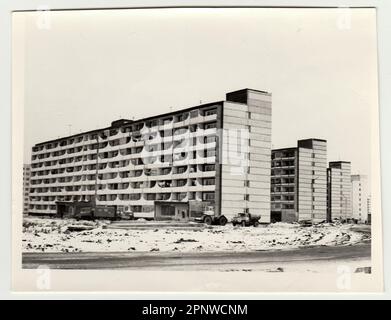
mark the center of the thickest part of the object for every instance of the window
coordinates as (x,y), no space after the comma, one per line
(210,139)
(209,181)
(210,125)
(181,183)
(181,169)
(209,167)
(194,114)
(210,112)
(210,153)
(208,196)
(167,210)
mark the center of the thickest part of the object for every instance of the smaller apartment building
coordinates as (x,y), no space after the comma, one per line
(298,182)
(283,185)
(360,197)
(26,187)
(339,190)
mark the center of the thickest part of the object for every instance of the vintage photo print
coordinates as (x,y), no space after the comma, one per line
(196,149)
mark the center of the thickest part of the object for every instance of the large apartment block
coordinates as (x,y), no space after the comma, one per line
(360,197)
(216,153)
(339,190)
(299,182)
(26,187)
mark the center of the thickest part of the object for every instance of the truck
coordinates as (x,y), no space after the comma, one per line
(246,219)
(206,214)
(209,217)
(101,212)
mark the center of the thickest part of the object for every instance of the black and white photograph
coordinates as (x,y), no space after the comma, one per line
(238,142)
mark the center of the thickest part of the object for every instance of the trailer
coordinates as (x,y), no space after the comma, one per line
(83,210)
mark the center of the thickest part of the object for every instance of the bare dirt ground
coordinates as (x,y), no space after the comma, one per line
(279,247)
(307,259)
(55,235)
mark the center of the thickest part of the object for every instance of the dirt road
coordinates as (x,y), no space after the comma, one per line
(310,258)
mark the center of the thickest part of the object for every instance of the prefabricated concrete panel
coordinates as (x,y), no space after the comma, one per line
(249,178)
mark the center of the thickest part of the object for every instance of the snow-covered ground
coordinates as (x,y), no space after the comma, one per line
(52,235)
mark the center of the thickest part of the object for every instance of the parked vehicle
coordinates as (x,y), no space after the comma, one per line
(100,212)
(209,217)
(246,219)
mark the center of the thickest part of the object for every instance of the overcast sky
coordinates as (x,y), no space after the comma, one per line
(88,68)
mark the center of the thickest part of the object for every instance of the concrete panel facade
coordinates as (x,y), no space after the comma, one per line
(360,197)
(246,154)
(339,190)
(312,181)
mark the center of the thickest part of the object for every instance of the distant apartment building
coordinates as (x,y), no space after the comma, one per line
(26,186)
(369,210)
(360,197)
(339,195)
(299,182)
(216,153)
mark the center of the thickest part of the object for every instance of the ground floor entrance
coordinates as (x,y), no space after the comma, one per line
(172,210)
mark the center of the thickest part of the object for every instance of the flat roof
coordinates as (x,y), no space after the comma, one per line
(339,162)
(172,113)
(285,149)
(316,139)
(248,89)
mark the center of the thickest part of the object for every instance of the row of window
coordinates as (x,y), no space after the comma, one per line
(122,174)
(177,196)
(151,147)
(146,159)
(132,185)
(283,154)
(282,172)
(288,163)
(287,180)
(133,128)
